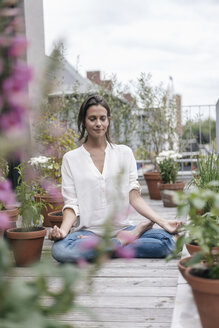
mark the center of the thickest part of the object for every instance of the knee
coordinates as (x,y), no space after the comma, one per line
(168,246)
(57,252)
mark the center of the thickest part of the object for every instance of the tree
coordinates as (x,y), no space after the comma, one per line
(157,116)
(202,131)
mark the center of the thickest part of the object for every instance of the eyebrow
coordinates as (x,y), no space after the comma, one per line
(96,116)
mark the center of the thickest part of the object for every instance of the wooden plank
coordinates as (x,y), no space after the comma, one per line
(83,324)
(120,302)
(131,315)
(130,294)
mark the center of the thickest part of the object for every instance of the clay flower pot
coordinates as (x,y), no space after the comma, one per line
(26,245)
(56,204)
(206,295)
(12,214)
(166,197)
(182,267)
(191,248)
(152,179)
(55,218)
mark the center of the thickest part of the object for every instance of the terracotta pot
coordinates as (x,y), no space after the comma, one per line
(166,197)
(57,204)
(196,248)
(192,248)
(55,218)
(26,246)
(181,265)
(206,295)
(12,214)
(152,179)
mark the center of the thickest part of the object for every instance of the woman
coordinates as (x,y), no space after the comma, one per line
(90,191)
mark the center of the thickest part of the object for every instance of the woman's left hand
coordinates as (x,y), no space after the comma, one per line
(172,226)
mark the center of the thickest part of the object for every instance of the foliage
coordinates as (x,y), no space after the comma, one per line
(192,130)
(141,153)
(168,167)
(29,209)
(122,122)
(208,170)
(3,175)
(203,229)
(56,140)
(22,303)
(158,116)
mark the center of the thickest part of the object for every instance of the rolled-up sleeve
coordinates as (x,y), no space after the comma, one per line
(133,174)
(68,188)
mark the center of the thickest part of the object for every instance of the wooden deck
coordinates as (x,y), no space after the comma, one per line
(127,293)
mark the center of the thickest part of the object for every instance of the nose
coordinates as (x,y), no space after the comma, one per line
(98,123)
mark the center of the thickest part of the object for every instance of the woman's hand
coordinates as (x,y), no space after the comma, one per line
(57,233)
(172,226)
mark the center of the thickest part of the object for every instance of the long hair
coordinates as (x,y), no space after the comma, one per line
(88,102)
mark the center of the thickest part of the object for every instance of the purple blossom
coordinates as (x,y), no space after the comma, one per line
(127,252)
(18,47)
(4,221)
(124,213)
(51,189)
(21,75)
(126,236)
(6,194)
(10,120)
(89,242)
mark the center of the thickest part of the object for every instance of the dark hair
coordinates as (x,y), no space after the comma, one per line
(88,102)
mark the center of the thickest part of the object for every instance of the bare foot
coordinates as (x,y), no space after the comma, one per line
(127,237)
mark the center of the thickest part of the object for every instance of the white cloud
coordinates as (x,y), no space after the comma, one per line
(127,37)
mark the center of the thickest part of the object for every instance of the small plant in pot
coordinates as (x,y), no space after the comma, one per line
(55,218)
(27,241)
(203,271)
(208,170)
(168,168)
(56,140)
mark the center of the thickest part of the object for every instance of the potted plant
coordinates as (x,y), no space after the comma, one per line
(168,168)
(203,272)
(56,141)
(27,241)
(55,218)
(208,170)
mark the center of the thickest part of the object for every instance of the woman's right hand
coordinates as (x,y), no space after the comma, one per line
(57,233)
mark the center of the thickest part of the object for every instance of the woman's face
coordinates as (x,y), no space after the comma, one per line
(96,121)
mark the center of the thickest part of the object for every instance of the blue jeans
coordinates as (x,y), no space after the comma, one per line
(153,243)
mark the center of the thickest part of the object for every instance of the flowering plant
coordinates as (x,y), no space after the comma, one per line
(168,167)
(14,73)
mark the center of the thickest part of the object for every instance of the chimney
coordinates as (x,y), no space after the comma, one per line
(94,76)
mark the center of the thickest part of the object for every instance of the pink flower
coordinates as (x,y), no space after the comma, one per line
(10,120)
(124,213)
(18,47)
(1,66)
(127,252)
(89,242)
(6,194)
(81,263)
(4,221)
(126,236)
(51,189)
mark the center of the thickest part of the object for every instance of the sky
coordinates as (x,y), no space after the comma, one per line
(167,38)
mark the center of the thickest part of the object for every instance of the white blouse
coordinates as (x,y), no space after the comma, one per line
(96,197)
